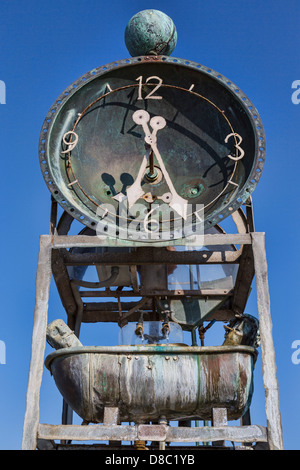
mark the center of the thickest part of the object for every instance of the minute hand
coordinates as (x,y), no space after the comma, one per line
(177,202)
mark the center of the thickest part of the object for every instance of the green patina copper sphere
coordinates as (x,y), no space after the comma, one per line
(150,32)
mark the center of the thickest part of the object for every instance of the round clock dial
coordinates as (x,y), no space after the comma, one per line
(156,135)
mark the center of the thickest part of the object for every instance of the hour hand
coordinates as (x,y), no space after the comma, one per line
(134,192)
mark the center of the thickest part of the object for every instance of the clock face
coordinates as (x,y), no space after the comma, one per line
(150,146)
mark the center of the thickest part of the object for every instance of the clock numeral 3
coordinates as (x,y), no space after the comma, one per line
(150,95)
(237,146)
(70,143)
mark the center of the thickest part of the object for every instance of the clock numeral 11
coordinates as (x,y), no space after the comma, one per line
(150,95)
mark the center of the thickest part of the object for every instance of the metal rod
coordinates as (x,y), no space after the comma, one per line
(158,257)
(151,163)
(53,216)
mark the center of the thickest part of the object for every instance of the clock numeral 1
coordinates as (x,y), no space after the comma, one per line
(150,95)
(237,146)
(70,143)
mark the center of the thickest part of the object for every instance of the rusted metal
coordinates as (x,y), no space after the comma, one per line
(146,382)
(143,260)
(244,280)
(142,257)
(63,284)
(94,312)
(33,430)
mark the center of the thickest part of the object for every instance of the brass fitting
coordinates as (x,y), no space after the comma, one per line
(139,331)
(140,445)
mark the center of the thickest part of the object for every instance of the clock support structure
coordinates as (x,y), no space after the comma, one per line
(60,253)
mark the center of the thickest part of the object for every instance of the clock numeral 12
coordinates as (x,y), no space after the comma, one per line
(237,146)
(150,95)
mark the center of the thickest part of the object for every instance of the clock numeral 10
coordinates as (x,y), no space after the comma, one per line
(150,95)
(237,146)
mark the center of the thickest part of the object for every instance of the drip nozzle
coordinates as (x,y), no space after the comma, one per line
(165,329)
(139,331)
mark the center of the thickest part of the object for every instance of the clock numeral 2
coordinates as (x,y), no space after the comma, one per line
(237,146)
(150,95)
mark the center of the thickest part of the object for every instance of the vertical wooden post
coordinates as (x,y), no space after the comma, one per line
(43,278)
(267,347)
(219,418)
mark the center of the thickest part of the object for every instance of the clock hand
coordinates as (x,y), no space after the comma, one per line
(177,202)
(142,117)
(134,192)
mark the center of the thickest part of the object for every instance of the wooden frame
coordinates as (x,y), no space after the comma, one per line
(254,245)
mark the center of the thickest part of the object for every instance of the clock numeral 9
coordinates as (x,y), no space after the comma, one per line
(237,146)
(70,143)
(150,95)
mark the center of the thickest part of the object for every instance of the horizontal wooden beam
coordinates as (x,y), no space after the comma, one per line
(100,432)
(68,241)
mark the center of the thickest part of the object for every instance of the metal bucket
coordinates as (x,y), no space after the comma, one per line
(147,382)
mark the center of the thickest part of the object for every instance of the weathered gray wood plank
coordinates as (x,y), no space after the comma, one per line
(101,432)
(267,347)
(43,278)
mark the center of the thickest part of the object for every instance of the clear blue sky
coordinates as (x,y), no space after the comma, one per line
(45,46)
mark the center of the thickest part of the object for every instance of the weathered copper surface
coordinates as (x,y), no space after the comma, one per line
(147,382)
(150,32)
(201,108)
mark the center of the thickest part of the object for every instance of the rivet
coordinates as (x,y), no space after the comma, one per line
(167,358)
